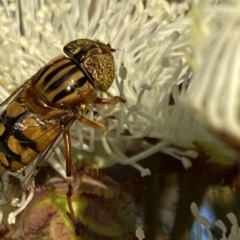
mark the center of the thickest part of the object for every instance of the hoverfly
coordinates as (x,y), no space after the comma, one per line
(47,104)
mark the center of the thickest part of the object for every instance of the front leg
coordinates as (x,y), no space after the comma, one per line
(110,100)
(91,123)
(97,100)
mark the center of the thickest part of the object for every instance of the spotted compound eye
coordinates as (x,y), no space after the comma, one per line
(95,59)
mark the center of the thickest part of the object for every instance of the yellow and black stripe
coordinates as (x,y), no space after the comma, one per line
(60,80)
(23,137)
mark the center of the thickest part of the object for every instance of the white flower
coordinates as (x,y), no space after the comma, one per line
(234,232)
(153,48)
(235,229)
(200,221)
(214,90)
(212,94)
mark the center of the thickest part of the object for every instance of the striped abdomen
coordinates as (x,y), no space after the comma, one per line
(23,137)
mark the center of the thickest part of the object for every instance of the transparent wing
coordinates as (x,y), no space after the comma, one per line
(12,185)
(16,93)
(4,176)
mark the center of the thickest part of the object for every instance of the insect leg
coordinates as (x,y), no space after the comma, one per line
(68,156)
(91,123)
(113,100)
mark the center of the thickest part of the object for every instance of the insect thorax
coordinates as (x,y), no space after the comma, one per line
(60,84)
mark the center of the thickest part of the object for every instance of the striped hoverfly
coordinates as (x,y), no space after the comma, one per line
(47,104)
